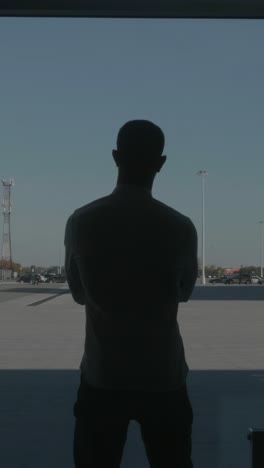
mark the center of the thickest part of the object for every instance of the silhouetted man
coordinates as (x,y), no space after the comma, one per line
(130,259)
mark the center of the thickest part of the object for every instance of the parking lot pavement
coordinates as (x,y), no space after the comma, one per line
(12,291)
(40,351)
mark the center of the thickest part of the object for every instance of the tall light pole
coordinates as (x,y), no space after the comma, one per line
(261,223)
(203,174)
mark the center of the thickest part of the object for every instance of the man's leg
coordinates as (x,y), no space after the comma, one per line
(100,428)
(166,428)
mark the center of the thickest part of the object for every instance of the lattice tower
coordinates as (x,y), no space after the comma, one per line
(7,205)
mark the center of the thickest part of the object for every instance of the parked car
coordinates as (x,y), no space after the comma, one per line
(236,278)
(56,279)
(24,279)
(29,278)
(221,279)
(42,278)
(256,280)
(243,279)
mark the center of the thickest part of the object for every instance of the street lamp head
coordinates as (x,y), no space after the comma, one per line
(8,183)
(202,172)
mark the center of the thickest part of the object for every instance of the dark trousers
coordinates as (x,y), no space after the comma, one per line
(102,419)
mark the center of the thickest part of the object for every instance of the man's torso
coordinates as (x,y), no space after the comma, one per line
(128,248)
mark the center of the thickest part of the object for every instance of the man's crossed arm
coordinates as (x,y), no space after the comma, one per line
(71,266)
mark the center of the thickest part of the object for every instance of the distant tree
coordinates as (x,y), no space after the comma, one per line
(6,265)
(210,270)
(214,270)
(25,269)
(250,270)
(16,267)
(53,269)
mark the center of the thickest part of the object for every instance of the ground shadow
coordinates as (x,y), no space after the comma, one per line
(202,293)
(36,289)
(228,293)
(36,423)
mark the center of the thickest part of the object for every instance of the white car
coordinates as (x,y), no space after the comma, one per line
(42,278)
(256,280)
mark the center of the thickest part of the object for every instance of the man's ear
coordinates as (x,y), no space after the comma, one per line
(115,155)
(161,162)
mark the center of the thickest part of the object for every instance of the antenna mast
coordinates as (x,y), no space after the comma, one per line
(6,245)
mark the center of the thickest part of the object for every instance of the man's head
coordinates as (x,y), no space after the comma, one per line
(139,150)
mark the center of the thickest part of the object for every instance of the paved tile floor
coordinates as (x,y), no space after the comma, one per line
(40,351)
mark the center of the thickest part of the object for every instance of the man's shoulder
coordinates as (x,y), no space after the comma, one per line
(101,206)
(172,213)
(98,203)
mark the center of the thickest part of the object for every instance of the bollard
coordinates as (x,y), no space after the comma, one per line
(256,437)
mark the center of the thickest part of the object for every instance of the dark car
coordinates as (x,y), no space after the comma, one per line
(239,279)
(245,279)
(56,279)
(24,279)
(233,279)
(221,279)
(32,279)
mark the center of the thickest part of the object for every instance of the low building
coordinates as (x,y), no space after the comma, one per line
(231,271)
(5,274)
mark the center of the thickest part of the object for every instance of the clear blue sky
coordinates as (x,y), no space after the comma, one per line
(67,85)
